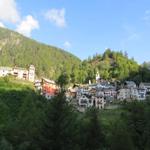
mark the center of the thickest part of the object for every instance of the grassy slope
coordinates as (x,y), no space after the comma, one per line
(7,84)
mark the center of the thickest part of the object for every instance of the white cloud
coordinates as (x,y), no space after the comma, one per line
(27,25)
(8,11)
(56,16)
(2,25)
(67,45)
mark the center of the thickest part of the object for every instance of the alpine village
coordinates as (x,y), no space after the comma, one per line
(51,100)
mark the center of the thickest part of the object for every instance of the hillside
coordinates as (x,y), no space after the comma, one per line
(117,65)
(17,50)
(110,65)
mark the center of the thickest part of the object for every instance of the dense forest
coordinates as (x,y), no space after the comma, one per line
(112,66)
(30,122)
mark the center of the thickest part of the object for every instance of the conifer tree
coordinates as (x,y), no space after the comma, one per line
(57,133)
(92,130)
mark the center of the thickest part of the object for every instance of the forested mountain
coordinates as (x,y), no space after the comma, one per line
(116,65)
(110,65)
(17,50)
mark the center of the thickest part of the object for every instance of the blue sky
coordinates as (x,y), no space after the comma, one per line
(83,27)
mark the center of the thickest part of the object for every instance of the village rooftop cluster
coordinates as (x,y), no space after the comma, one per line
(98,95)
(103,92)
(83,96)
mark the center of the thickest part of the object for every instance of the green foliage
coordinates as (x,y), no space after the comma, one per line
(144,73)
(137,121)
(30,122)
(92,137)
(21,113)
(17,50)
(120,138)
(63,80)
(59,125)
(5,145)
(111,65)
(8,83)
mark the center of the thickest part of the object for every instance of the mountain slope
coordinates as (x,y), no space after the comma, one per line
(17,50)
(111,65)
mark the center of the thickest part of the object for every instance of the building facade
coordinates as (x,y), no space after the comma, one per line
(19,73)
(49,88)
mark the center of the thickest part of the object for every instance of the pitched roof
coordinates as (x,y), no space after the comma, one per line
(145,83)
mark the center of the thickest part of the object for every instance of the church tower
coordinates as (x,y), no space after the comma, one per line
(31,73)
(97,77)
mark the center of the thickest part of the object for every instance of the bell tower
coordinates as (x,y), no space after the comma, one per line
(97,77)
(31,73)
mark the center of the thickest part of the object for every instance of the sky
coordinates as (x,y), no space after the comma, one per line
(83,27)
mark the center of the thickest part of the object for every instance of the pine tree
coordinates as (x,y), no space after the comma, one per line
(63,80)
(5,145)
(57,133)
(93,135)
(120,138)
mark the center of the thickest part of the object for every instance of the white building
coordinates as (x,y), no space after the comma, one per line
(123,94)
(94,101)
(20,73)
(130,94)
(142,94)
(31,73)
(100,93)
(83,101)
(134,94)
(38,84)
(145,86)
(130,84)
(98,102)
(4,71)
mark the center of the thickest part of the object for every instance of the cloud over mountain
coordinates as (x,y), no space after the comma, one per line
(27,25)
(9,11)
(56,16)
